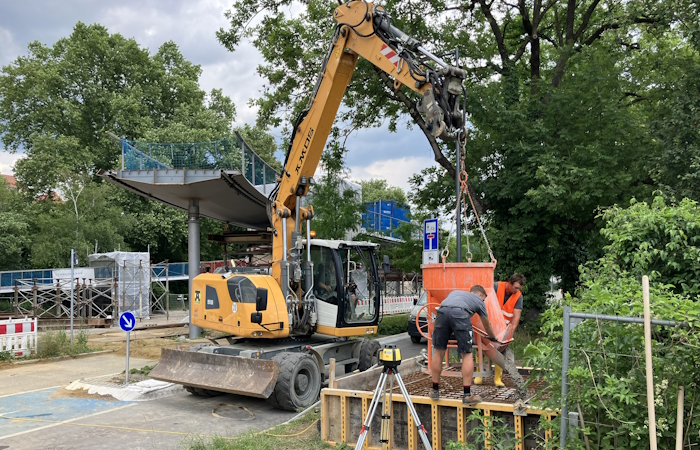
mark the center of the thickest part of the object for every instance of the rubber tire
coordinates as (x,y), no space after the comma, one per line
(416,339)
(369,354)
(285,395)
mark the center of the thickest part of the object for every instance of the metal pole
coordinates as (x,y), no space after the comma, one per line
(193,250)
(565,377)
(140,292)
(128,336)
(72,252)
(649,366)
(459,206)
(167,294)
(458,211)
(668,323)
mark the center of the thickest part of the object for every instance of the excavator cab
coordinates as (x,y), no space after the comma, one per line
(346,284)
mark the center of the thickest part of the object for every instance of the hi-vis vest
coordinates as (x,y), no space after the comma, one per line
(509,307)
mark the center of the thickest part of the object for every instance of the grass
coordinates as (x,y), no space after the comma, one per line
(145,370)
(391,325)
(301,434)
(57,343)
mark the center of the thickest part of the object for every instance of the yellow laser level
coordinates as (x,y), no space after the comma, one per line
(390,356)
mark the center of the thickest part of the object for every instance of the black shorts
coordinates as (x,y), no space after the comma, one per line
(453,320)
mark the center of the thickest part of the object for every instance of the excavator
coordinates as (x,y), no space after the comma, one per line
(288,322)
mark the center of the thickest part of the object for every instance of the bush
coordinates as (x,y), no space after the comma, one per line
(391,325)
(659,240)
(607,378)
(57,343)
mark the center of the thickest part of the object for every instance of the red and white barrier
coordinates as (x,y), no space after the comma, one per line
(18,336)
(391,305)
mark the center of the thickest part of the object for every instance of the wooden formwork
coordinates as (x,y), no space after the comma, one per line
(344,408)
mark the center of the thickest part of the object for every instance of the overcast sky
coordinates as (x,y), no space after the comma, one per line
(192,24)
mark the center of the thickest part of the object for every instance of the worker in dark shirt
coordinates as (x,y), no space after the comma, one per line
(454,316)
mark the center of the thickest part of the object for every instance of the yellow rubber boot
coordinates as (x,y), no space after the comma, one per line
(497,377)
(478,380)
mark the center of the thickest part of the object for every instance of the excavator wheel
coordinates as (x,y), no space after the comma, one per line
(299,381)
(369,354)
(199,391)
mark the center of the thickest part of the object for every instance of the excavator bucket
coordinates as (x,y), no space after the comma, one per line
(223,373)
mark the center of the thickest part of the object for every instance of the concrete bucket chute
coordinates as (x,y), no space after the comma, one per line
(439,280)
(222,373)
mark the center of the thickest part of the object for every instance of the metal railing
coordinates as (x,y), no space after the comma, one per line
(226,154)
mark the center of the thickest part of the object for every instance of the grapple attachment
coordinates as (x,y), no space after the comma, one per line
(223,373)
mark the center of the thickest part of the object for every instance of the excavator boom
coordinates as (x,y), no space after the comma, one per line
(289,374)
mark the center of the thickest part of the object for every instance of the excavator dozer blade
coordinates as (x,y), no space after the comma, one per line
(223,373)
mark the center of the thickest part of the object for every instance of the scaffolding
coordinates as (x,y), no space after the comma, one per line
(132,275)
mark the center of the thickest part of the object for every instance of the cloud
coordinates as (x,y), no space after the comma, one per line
(395,171)
(7,161)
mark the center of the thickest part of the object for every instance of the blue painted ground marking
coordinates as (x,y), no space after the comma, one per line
(38,405)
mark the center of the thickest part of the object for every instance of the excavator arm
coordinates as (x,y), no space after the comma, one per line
(364,30)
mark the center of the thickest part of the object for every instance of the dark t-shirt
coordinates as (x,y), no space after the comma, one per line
(518,304)
(471,303)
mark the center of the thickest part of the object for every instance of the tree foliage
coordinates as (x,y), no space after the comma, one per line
(338,209)
(57,102)
(560,98)
(658,239)
(606,375)
(376,189)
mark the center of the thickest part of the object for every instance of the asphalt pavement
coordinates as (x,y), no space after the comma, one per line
(33,417)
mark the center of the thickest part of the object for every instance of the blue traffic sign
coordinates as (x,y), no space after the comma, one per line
(430,234)
(127,321)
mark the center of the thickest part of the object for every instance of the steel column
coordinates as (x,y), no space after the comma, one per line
(193,255)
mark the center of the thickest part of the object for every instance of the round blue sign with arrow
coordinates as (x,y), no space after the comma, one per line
(127,321)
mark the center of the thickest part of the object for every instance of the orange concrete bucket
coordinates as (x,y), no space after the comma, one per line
(441,279)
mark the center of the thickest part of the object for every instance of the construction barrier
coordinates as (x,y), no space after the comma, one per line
(345,405)
(390,305)
(18,336)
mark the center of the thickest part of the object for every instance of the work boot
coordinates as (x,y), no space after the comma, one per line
(471,400)
(434,394)
(497,378)
(478,380)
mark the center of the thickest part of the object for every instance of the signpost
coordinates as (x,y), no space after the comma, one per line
(73,262)
(430,241)
(127,322)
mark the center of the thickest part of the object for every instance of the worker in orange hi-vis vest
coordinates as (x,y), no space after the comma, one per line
(511,300)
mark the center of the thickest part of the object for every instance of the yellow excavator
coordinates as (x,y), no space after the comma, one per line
(286,323)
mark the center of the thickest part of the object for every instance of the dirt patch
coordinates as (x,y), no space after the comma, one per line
(81,393)
(149,348)
(133,378)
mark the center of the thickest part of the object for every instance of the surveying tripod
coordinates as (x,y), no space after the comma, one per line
(390,357)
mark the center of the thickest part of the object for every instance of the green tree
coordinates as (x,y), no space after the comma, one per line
(57,102)
(374,190)
(338,210)
(660,239)
(86,218)
(557,123)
